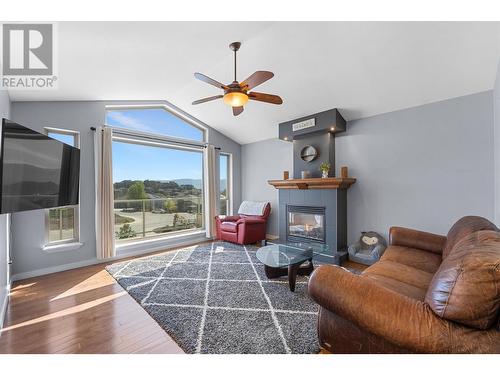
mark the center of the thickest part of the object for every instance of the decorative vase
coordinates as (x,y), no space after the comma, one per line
(325,174)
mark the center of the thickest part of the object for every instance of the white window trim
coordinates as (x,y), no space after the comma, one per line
(70,243)
(229,181)
(163,142)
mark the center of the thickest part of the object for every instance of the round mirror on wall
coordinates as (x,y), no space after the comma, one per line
(308,153)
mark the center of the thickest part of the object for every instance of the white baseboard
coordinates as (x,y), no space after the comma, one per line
(90,262)
(46,271)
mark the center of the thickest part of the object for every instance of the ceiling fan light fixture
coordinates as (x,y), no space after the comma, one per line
(235,99)
(237,94)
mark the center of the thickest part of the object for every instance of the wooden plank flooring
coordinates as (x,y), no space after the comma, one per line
(83,310)
(79,311)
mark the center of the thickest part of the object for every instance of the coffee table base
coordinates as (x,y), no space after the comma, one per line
(292,271)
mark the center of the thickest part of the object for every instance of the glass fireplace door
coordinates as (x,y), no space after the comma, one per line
(306,223)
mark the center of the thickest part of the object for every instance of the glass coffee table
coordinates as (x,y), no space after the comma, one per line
(291,258)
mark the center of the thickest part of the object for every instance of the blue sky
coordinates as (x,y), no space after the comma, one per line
(65,138)
(153,120)
(137,162)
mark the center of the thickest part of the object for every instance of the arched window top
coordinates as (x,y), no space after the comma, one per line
(155,120)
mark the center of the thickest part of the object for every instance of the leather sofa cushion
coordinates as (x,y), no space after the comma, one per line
(405,275)
(229,226)
(466,287)
(464,227)
(397,286)
(420,259)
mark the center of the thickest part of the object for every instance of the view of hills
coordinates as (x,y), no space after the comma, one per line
(131,189)
(188,181)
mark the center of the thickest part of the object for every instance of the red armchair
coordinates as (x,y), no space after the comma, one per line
(243,228)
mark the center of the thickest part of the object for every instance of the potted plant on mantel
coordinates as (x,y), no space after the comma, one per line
(325,169)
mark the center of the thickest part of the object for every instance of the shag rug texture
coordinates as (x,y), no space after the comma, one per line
(216,298)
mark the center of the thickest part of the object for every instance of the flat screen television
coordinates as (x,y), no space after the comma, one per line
(36,171)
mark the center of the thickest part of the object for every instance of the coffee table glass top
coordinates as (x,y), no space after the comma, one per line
(289,253)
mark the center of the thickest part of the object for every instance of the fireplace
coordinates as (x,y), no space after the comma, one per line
(305,223)
(314,210)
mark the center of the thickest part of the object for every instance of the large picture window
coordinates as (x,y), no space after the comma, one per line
(158,190)
(158,182)
(62,222)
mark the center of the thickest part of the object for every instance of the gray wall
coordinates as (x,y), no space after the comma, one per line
(262,161)
(496,111)
(4,225)
(28,254)
(421,167)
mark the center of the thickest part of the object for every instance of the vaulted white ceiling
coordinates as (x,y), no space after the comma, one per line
(362,68)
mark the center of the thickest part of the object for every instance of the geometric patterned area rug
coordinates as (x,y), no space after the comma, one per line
(216,298)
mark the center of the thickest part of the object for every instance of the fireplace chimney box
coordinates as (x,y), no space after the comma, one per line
(330,121)
(318,131)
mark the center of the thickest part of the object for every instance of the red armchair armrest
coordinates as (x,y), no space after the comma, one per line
(251,220)
(227,218)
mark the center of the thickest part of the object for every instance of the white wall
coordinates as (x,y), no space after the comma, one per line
(4,227)
(421,167)
(29,258)
(262,161)
(496,111)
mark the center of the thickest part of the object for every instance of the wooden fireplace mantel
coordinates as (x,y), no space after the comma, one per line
(313,183)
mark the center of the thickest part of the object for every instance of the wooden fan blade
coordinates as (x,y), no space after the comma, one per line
(237,110)
(268,98)
(256,79)
(199,101)
(210,81)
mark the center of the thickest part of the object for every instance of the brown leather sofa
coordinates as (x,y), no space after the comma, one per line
(427,294)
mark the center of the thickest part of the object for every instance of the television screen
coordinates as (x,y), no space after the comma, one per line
(36,171)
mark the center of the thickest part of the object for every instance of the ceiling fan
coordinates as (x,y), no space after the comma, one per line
(237,94)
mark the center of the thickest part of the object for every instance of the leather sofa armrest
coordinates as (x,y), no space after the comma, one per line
(251,220)
(404,321)
(434,243)
(227,218)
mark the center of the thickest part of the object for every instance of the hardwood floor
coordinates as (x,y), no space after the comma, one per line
(83,310)
(79,311)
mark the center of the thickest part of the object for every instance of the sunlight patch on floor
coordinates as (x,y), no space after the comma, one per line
(66,312)
(88,284)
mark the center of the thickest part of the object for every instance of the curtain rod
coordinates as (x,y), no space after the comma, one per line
(180,142)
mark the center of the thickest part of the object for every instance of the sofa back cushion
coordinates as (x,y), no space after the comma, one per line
(466,287)
(463,227)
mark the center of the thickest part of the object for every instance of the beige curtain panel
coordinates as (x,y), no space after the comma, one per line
(210,190)
(105,218)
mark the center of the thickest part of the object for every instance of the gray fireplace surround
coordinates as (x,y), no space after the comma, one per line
(321,135)
(335,203)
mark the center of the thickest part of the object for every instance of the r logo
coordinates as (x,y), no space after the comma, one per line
(27,49)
